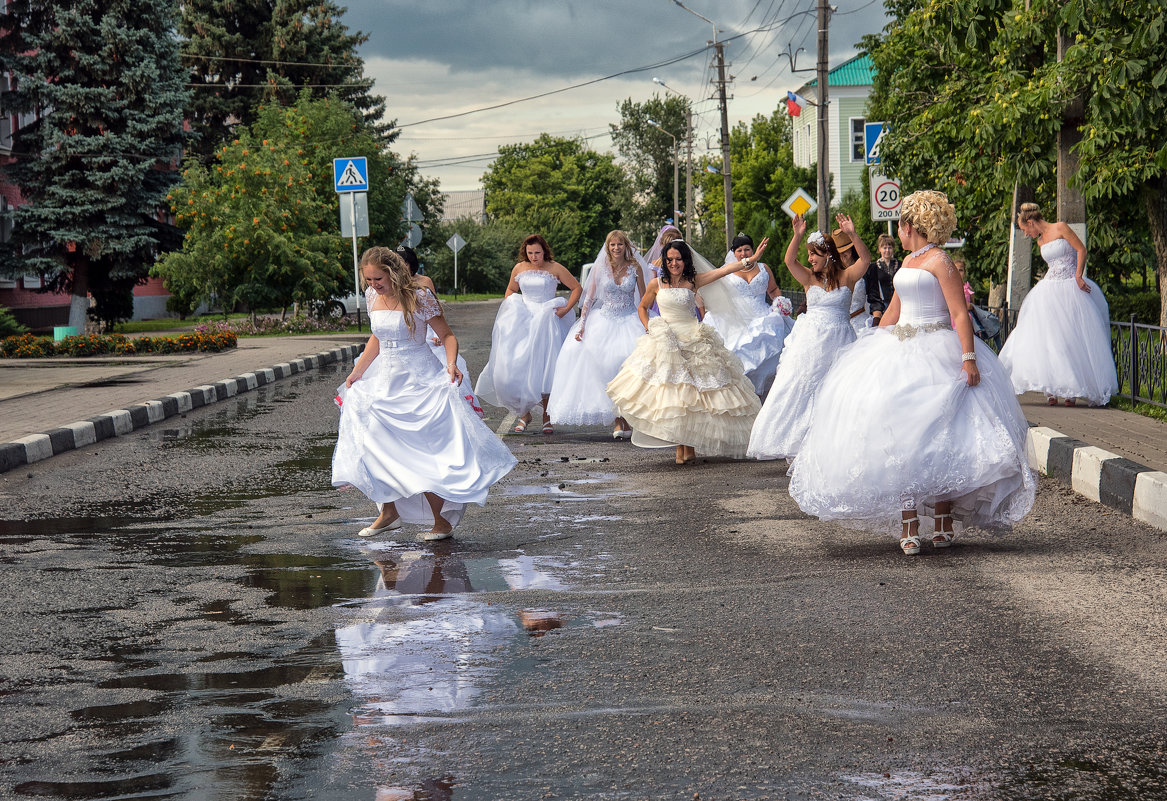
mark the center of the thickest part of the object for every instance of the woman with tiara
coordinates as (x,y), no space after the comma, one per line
(1061,345)
(756,331)
(917,416)
(529,330)
(680,387)
(407,439)
(603,338)
(819,334)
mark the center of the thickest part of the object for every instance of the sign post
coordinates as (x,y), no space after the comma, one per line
(455,243)
(350,175)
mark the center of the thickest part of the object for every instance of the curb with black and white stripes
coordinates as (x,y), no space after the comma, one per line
(118,422)
(1101,476)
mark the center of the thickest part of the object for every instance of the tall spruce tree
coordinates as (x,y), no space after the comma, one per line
(105,78)
(243,53)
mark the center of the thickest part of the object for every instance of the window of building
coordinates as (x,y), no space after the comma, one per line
(858,149)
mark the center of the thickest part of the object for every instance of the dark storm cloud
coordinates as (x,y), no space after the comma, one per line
(569,39)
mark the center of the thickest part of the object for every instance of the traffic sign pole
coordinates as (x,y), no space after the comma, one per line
(352,201)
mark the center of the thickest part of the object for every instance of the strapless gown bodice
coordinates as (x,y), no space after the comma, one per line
(921,298)
(1061,258)
(538,286)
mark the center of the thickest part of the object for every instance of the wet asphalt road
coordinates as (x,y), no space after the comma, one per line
(190,616)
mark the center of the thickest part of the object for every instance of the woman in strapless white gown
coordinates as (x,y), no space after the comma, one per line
(681,387)
(820,333)
(604,337)
(1061,345)
(917,416)
(408,440)
(755,332)
(529,330)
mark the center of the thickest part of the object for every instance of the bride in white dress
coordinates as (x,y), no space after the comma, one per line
(407,439)
(917,415)
(529,330)
(603,338)
(756,331)
(819,334)
(1061,345)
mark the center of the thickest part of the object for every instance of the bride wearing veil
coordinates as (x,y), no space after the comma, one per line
(602,339)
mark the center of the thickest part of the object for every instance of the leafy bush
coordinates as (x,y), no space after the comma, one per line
(28,346)
(1143,305)
(9,325)
(261,326)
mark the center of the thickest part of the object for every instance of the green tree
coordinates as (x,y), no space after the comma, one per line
(484,264)
(558,188)
(975,96)
(262,222)
(241,54)
(647,154)
(95,168)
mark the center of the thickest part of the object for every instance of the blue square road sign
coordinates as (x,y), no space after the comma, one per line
(872,133)
(351,174)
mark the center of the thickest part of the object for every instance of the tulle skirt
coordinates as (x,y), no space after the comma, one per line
(524,347)
(681,386)
(584,369)
(759,346)
(810,350)
(1061,345)
(466,385)
(406,430)
(895,425)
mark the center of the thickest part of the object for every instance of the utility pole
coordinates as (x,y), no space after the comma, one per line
(725,169)
(688,171)
(1071,204)
(824,162)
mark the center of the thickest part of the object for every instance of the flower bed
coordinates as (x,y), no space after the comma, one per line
(28,346)
(262,326)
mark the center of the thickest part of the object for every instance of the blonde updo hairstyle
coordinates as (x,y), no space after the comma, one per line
(400,280)
(1029,212)
(930,213)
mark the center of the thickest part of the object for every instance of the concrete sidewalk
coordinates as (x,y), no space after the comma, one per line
(1108,455)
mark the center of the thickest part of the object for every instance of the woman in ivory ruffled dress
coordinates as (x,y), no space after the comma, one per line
(681,387)
(529,330)
(820,334)
(603,338)
(1061,345)
(757,331)
(917,416)
(408,440)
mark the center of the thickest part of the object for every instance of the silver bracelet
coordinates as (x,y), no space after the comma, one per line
(968,357)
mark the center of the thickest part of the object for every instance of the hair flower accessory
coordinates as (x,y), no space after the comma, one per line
(818,240)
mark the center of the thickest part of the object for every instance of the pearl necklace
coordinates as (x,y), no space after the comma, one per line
(924,249)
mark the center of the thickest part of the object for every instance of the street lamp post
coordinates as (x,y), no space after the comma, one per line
(688,157)
(676,165)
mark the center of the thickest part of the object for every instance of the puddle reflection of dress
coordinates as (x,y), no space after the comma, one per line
(681,386)
(1061,345)
(895,421)
(819,334)
(524,344)
(406,430)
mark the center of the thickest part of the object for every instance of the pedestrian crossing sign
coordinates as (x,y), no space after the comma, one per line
(351,174)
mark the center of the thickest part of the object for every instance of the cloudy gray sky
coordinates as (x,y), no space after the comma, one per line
(432,58)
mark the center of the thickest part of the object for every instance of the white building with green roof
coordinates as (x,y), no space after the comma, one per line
(850,84)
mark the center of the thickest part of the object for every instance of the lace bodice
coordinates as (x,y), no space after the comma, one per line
(1061,258)
(833,304)
(538,286)
(614,299)
(677,305)
(921,298)
(752,293)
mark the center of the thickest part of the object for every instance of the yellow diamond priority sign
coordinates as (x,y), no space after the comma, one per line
(799,203)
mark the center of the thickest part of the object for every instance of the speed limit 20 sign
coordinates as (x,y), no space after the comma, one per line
(885,197)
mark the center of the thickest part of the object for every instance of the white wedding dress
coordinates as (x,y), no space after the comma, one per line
(405,429)
(819,334)
(860,322)
(758,343)
(584,368)
(524,344)
(1061,345)
(895,426)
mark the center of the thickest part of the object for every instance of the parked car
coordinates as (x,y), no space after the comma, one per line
(342,307)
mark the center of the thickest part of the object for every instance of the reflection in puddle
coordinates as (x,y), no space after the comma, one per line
(939,785)
(430,790)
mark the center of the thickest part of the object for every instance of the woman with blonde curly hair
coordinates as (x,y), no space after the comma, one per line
(917,416)
(408,439)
